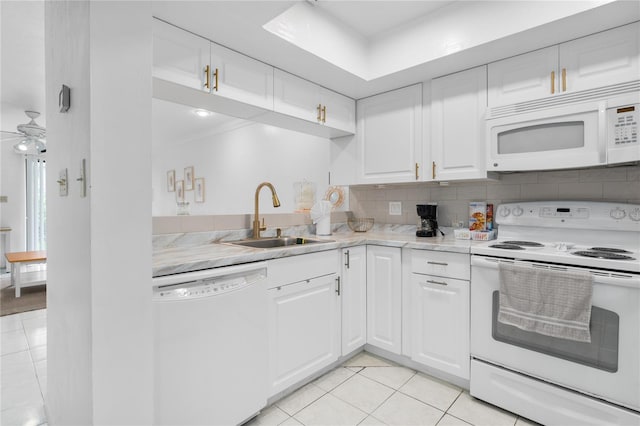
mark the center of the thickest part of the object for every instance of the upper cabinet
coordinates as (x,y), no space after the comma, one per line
(599,60)
(458,106)
(389,136)
(303,99)
(179,56)
(239,77)
(195,62)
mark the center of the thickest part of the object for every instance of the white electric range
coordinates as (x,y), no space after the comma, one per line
(548,379)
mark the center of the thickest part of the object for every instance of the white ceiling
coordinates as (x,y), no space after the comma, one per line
(409,37)
(21,62)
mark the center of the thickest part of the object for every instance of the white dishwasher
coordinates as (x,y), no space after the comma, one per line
(210,345)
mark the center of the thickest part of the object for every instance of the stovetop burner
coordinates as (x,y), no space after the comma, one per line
(507,246)
(524,243)
(609,250)
(599,254)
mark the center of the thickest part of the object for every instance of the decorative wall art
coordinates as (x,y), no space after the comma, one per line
(171,180)
(199,190)
(188,178)
(180,191)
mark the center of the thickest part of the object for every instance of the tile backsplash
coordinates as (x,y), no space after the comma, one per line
(618,184)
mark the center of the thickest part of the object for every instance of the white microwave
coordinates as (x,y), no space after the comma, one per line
(571,136)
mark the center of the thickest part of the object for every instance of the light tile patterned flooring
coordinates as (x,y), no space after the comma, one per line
(23,368)
(365,390)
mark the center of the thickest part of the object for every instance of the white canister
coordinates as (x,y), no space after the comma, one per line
(323,225)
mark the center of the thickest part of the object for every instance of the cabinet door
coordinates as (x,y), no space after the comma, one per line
(525,77)
(296,97)
(338,111)
(241,78)
(384,298)
(179,56)
(354,298)
(459,103)
(303,330)
(390,136)
(602,59)
(440,324)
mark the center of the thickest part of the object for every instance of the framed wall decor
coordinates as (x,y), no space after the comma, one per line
(199,190)
(188,178)
(171,181)
(180,191)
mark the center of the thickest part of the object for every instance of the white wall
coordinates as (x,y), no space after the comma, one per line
(13,186)
(99,247)
(235,163)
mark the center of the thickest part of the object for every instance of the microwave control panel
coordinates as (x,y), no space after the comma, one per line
(623,125)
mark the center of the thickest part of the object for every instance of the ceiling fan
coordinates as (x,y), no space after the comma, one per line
(30,137)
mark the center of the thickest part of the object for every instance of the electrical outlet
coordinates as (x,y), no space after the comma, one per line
(395,208)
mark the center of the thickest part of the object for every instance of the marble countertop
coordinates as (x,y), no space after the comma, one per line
(175,260)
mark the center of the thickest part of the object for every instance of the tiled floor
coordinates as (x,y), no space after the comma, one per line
(23,368)
(367,390)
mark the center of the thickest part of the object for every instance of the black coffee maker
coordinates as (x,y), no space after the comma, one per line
(428,224)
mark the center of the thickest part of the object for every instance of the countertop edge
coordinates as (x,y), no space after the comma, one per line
(216,255)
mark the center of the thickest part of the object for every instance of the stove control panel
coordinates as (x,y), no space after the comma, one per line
(571,214)
(565,212)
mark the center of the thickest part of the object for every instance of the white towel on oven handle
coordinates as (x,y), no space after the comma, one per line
(550,302)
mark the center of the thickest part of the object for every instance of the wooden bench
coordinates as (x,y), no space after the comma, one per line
(19,278)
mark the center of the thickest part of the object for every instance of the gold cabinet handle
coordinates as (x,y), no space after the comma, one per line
(324,114)
(417,166)
(553,82)
(564,79)
(207,82)
(433,170)
(215,75)
(319,108)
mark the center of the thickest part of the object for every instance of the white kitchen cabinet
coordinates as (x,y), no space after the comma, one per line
(303,99)
(304,330)
(354,298)
(192,61)
(179,56)
(591,62)
(458,107)
(440,323)
(389,136)
(239,77)
(384,298)
(438,310)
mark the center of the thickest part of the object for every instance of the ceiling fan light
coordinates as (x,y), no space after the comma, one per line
(21,146)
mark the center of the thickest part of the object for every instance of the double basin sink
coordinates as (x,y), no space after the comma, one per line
(277,242)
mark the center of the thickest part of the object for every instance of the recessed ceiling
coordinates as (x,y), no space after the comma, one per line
(372,19)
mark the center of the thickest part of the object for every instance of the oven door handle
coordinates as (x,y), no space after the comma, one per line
(622,279)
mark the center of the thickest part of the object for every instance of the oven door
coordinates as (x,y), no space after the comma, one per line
(556,138)
(608,367)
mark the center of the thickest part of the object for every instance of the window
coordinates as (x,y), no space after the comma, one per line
(36,203)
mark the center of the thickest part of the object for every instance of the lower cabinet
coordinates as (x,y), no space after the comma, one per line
(304,329)
(440,323)
(384,298)
(354,298)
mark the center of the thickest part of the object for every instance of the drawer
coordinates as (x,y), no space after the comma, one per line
(287,270)
(441,263)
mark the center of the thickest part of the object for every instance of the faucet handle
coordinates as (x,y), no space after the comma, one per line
(278,232)
(263,227)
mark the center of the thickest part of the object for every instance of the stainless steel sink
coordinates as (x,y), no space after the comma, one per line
(277,242)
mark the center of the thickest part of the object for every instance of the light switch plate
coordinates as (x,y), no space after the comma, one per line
(63,183)
(395,208)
